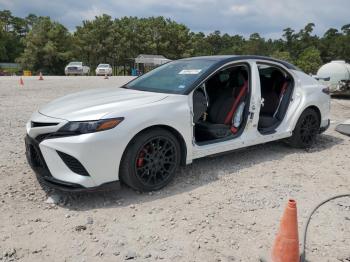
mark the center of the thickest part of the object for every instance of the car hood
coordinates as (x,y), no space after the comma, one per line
(94,104)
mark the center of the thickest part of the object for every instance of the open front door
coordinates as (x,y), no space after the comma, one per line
(231,118)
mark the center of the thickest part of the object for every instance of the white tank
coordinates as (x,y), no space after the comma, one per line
(338,71)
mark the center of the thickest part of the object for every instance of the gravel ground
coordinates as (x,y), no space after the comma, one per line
(223,208)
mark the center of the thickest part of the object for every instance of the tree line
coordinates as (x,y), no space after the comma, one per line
(40,44)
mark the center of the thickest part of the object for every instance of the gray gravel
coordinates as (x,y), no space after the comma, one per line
(224,208)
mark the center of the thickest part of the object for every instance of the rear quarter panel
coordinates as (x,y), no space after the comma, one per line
(308,92)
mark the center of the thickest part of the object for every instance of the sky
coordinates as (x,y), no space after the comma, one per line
(266,17)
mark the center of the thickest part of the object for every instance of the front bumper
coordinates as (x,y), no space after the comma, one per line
(37,162)
(39,166)
(102,73)
(74,72)
(73,163)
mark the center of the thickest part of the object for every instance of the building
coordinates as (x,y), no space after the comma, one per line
(145,63)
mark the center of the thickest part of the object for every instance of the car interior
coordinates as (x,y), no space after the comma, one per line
(276,91)
(220,105)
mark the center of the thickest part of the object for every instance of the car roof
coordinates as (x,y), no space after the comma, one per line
(231,58)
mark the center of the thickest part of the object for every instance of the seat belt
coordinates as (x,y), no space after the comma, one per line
(229,117)
(283,91)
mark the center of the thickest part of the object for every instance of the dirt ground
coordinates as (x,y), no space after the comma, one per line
(223,208)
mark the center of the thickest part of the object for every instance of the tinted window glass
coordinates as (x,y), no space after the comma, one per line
(103,65)
(174,77)
(76,63)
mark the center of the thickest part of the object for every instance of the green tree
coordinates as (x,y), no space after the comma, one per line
(12,30)
(118,41)
(330,45)
(346,29)
(215,42)
(47,47)
(310,60)
(282,55)
(3,53)
(104,40)
(200,45)
(93,41)
(178,38)
(255,45)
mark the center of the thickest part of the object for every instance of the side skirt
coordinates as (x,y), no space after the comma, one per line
(221,147)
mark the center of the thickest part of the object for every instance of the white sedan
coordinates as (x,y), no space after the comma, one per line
(178,112)
(76,68)
(104,69)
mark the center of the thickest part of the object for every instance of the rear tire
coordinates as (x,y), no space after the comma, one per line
(306,130)
(151,160)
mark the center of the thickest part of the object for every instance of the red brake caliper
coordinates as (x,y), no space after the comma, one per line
(140,159)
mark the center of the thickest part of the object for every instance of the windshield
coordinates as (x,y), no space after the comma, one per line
(103,65)
(174,77)
(76,63)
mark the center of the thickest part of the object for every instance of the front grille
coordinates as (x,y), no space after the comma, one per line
(74,69)
(42,124)
(35,156)
(73,164)
(42,137)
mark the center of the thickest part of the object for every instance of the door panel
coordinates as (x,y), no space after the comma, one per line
(277,87)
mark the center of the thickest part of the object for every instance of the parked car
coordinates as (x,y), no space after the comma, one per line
(104,69)
(178,112)
(76,68)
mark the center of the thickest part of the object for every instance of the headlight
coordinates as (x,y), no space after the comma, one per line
(84,127)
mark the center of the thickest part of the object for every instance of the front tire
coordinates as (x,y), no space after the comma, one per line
(151,160)
(306,130)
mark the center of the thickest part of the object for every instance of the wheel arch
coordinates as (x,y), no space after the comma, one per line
(176,133)
(316,109)
(309,106)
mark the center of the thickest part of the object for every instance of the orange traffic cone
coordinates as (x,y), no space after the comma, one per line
(106,76)
(21,82)
(286,246)
(41,76)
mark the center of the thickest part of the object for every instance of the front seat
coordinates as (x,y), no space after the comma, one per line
(222,111)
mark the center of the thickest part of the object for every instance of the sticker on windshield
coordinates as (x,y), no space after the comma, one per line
(181,86)
(190,71)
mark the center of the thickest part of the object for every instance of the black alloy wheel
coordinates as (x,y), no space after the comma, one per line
(306,129)
(309,129)
(156,161)
(151,160)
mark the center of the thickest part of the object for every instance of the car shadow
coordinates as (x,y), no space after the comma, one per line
(201,172)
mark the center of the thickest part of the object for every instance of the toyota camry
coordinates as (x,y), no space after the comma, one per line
(140,133)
